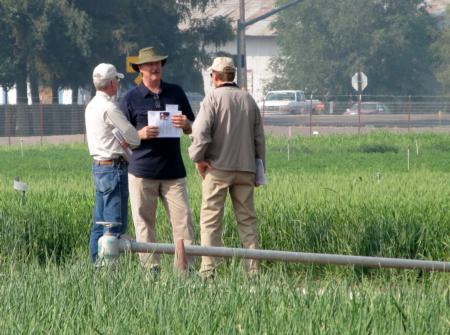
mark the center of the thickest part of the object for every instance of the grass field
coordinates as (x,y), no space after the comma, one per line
(356,195)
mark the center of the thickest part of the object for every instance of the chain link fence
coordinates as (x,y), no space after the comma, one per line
(337,114)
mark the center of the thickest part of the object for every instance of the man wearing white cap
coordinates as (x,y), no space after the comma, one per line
(109,166)
(227,139)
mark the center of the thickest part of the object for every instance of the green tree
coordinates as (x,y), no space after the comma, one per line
(324,42)
(45,43)
(58,42)
(19,18)
(63,60)
(7,63)
(121,28)
(441,49)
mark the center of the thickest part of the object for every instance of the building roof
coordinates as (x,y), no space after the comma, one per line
(437,7)
(253,9)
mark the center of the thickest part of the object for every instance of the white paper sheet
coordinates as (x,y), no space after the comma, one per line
(163,120)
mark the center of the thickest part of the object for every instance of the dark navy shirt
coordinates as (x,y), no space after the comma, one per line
(156,158)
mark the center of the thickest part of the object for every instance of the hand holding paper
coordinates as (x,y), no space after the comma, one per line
(179,120)
(163,120)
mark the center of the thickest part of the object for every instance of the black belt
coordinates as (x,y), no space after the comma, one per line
(119,160)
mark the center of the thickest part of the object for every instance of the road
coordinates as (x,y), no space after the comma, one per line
(286,125)
(377,121)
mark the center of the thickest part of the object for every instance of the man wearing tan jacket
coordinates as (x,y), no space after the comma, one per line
(227,138)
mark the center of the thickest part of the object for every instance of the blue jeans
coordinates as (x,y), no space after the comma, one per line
(111,201)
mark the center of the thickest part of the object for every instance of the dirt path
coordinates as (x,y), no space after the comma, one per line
(270,130)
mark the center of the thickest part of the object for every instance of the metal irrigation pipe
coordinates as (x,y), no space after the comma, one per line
(275,255)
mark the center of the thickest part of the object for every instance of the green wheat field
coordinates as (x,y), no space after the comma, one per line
(340,194)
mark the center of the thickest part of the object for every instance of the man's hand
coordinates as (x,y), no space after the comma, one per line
(148,132)
(181,121)
(202,166)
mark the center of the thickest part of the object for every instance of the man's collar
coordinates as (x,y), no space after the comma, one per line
(228,84)
(145,91)
(104,95)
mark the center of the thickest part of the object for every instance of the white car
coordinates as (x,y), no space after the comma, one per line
(367,107)
(284,102)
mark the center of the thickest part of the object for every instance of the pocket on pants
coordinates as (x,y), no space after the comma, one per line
(106,182)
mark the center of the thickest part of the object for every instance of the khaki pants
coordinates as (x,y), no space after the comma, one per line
(144,194)
(215,187)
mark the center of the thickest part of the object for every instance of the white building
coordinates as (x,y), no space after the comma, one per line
(261,46)
(64,96)
(437,8)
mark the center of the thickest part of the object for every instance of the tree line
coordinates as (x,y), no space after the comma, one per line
(397,44)
(57,43)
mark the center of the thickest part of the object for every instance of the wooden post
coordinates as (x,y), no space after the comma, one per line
(180,261)
(409,113)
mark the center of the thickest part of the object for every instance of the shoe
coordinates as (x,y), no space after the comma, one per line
(208,276)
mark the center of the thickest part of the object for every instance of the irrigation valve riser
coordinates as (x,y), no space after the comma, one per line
(108,244)
(108,248)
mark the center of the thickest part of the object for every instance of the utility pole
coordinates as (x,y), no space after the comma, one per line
(241,75)
(242,56)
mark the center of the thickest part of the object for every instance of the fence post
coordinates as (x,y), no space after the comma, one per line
(409,113)
(9,124)
(84,123)
(41,119)
(359,113)
(310,115)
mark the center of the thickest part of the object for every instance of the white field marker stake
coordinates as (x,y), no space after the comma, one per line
(407,155)
(22,188)
(417,148)
(21,146)
(289,143)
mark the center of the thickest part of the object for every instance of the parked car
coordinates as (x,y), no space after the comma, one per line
(367,107)
(284,102)
(318,106)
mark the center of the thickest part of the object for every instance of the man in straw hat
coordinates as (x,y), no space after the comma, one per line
(227,141)
(156,168)
(109,166)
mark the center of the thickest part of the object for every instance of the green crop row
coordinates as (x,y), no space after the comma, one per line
(333,195)
(360,195)
(75,299)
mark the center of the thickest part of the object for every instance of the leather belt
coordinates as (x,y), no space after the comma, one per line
(119,160)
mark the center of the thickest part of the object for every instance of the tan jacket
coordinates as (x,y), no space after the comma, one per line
(228,130)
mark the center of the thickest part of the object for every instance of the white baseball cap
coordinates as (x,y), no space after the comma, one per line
(104,71)
(223,64)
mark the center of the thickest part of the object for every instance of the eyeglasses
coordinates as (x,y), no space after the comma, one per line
(117,79)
